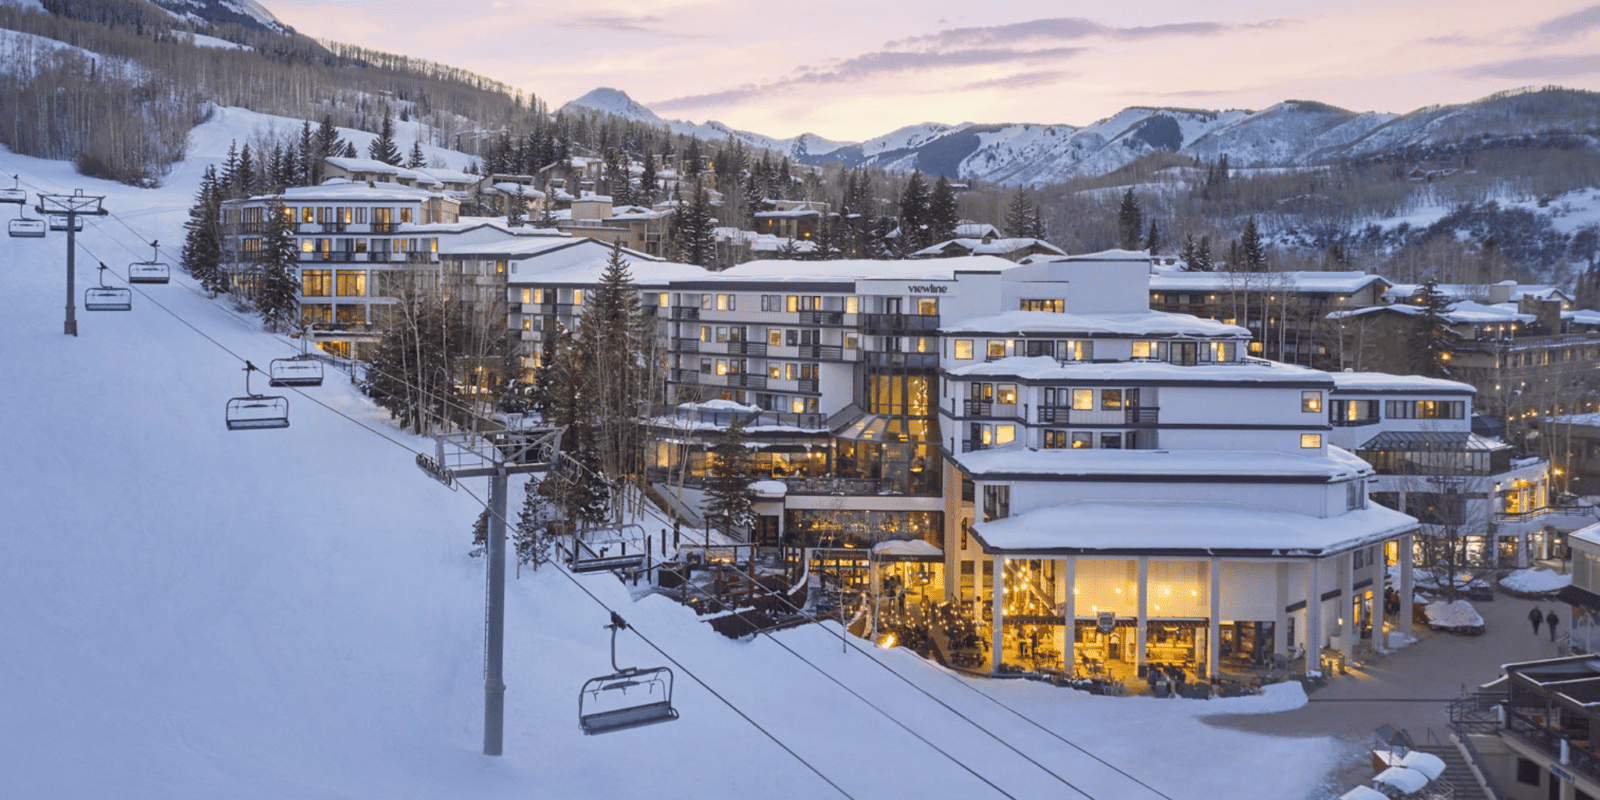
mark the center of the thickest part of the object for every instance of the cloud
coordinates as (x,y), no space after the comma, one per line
(1070,29)
(869,66)
(1571,24)
(616,22)
(1453,41)
(1021,80)
(1543,67)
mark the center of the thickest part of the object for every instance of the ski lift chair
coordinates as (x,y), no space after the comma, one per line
(59,222)
(256,411)
(152,271)
(604,705)
(300,370)
(25,228)
(16,194)
(107,298)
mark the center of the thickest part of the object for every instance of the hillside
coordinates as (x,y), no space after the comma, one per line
(194,613)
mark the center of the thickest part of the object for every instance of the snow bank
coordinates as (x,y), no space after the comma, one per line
(1535,581)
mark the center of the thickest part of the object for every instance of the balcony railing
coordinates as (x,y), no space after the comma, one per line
(1524,516)
(685,376)
(748,348)
(1353,423)
(748,380)
(825,352)
(822,318)
(807,385)
(1065,415)
(685,312)
(385,227)
(977,408)
(686,345)
(899,360)
(898,324)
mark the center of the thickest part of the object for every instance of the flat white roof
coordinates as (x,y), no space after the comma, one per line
(1187,527)
(1020,461)
(1047,368)
(941,269)
(1384,382)
(1145,323)
(357,191)
(1255,281)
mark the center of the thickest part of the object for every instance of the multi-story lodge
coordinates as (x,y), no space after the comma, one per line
(1095,482)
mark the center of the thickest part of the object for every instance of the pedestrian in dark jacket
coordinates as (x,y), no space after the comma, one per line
(1552,620)
(1536,616)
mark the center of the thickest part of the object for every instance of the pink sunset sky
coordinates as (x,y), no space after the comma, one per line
(854,69)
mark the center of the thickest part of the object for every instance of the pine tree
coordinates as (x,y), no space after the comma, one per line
(278,300)
(383,148)
(517,208)
(1434,342)
(532,536)
(649,183)
(691,159)
(913,215)
(1152,240)
(943,216)
(202,245)
(1130,221)
(309,165)
(1252,249)
(329,144)
(1021,215)
(730,503)
(695,230)
(1202,261)
(611,334)
(416,160)
(480,534)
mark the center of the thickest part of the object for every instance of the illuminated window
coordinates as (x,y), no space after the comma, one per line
(799,406)
(997,348)
(1110,399)
(527,323)
(1255,347)
(1311,441)
(307,245)
(1311,402)
(1005,433)
(722,366)
(923,344)
(1056,305)
(725,302)
(316,283)
(853,341)
(352,282)
(1006,393)
(774,337)
(963,348)
(577,297)
(705,333)
(1082,440)
(1083,399)
(852,305)
(405,215)
(527,296)
(308,215)
(499,267)
(664,300)
(792,303)
(1224,351)
(774,371)
(1144,349)
(927,306)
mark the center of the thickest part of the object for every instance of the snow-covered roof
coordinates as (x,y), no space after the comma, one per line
(1582,316)
(1147,323)
(941,269)
(448,175)
(512,189)
(1155,525)
(907,547)
(365,165)
(1384,382)
(1347,282)
(993,247)
(976,230)
(1045,368)
(352,191)
(1020,461)
(1472,313)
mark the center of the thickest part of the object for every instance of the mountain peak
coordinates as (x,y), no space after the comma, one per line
(613,101)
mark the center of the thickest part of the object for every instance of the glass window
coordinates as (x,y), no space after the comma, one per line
(1111,441)
(1006,393)
(852,341)
(1083,399)
(997,348)
(1005,433)
(577,297)
(1082,440)
(1311,402)
(928,306)
(1110,399)
(316,283)
(1311,441)
(1143,349)
(792,303)
(852,305)
(352,282)
(774,337)
(664,300)
(963,348)
(722,333)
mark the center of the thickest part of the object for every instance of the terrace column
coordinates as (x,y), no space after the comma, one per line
(1144,600)
(1347,595)
(1314,615)
(1407,556)
(997,606)
(1069,615)
(1280,626)
(1214,629)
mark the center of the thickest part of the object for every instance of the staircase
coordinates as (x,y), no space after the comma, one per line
(1457,775)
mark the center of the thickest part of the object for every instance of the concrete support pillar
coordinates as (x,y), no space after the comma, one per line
(1214,631)
(1141,627)
(1407,564)
(1069,613)
(1347,599)
(997,605)
(1314,615)
(1280,623)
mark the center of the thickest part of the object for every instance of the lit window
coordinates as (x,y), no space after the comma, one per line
(1083,399)
(664,300)
(774,337)
(352,283)
(705,333)
(307,245)
(722,366)
(774,372)
(792,303)
(799,406)
(1255,347)
(963,348)
(1110,399)
(851,341)
(852,305)
(527,323)
(997,348)
(527,296)
(1005,433)
(538,296)
(1006,393)
(1311,441)
(927,306)
(1311,402)
(1144,349)
(1082,440)
(577,297)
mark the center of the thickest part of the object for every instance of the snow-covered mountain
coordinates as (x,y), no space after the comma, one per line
(248,13)
(1291,133)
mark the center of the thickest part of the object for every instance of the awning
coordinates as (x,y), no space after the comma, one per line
(1579,597)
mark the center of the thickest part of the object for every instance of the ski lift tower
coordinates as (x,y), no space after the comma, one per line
(494,455)
(71,206)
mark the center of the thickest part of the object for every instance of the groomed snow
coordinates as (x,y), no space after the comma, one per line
(194,613)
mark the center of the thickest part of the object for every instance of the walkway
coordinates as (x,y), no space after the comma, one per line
(1408,688)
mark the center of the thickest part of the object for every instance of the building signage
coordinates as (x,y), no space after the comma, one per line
(927,288)
(1106,622)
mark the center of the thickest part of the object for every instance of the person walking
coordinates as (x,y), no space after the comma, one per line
(1536,616)
(1552,620)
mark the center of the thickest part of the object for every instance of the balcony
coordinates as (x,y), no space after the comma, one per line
(807,385)
(684,376)
(898,360)
(1064,415)
(899,324)
(748,380)
(748,348)
(1353,423)
(686,345)
(685,312)
(385,227)
(977,408)
(822,318)
(824,352)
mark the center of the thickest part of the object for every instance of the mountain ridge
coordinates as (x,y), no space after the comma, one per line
(1291,133)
